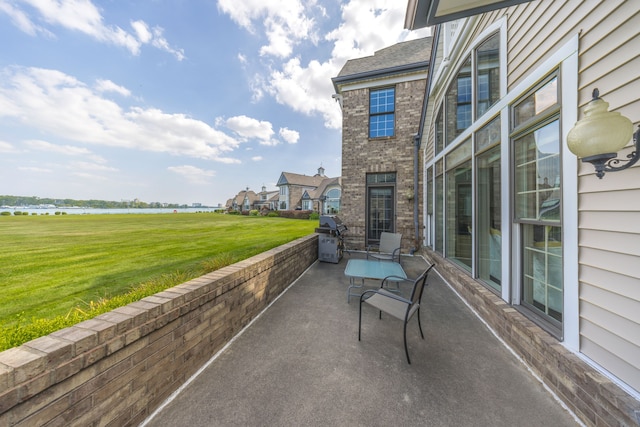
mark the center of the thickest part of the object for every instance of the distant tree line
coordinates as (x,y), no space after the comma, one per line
(98,204)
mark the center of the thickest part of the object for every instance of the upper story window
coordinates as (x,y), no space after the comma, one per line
(458,103)
(382,112)
(487,74)
(475,88)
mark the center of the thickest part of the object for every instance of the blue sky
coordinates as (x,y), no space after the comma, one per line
(176,101)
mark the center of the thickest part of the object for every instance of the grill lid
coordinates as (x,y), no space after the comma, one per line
(331,223)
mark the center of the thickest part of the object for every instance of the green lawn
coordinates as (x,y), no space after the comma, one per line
(49,265)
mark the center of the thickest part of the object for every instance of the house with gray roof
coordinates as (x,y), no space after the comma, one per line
(381,100)
(303,192)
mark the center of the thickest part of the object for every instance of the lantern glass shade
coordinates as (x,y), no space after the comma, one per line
(600,131)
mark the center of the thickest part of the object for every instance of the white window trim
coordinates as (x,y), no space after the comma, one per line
(565,57)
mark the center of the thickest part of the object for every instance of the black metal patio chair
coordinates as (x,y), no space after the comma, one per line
(396,305)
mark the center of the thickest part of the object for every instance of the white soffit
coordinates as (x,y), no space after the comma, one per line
(423,13)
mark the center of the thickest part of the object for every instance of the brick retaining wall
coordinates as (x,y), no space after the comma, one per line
(118,367)
(594,398)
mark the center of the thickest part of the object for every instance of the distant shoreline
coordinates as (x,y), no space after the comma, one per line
(75,210)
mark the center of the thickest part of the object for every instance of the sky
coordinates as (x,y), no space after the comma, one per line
(176,101)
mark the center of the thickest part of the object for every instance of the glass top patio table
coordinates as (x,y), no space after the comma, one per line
(370,269)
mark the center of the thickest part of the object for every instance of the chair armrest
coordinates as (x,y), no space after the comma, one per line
(398,279)
(393,255)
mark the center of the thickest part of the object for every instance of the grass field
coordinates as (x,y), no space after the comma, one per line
(51,265)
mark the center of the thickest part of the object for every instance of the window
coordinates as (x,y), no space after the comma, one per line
(489,205)
(380,205)
(537,200)
(458,103)
(382,113)
(458,205)
(439,131)
(439,209)
(487,74)
(430,219)
(475,88)
(332,202)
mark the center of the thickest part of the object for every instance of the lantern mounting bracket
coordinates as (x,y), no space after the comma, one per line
(609,163)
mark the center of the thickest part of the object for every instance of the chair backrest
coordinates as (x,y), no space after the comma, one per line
(418,286)
(389,242)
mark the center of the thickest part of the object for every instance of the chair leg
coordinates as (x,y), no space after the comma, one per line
(360,319)
(406,349)
(420,323)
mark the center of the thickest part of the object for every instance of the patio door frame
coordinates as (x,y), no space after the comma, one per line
(389,210)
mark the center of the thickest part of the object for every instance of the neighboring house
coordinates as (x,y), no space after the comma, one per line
(245,200)
(381,99)
(308,192)
(267,200)
(547,253)
(326,198)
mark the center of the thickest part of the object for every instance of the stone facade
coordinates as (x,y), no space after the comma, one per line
(117,368)
(362,155)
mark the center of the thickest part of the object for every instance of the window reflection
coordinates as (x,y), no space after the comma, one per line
(487,74)
(537,102)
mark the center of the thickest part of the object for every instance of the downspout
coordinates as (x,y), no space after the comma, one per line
(418,138)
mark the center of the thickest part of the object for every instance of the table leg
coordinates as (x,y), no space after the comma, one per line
(351,286)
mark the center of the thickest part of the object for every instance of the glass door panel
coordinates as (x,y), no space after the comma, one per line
(380,212)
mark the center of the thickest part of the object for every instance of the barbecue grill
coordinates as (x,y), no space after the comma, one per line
(330,241)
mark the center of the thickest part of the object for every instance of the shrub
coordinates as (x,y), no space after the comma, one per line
(253,212)
(295,214)
(17,213)
(314,216)
(233,212)
(273,214)
(57,213)
(5,213)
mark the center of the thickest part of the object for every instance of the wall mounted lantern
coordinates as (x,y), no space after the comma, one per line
(599,136)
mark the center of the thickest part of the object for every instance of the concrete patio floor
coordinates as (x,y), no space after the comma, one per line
(300,364)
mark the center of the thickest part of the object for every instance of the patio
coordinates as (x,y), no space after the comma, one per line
(300,364)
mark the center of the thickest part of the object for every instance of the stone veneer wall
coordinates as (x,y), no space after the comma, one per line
(115,369)
(594,398)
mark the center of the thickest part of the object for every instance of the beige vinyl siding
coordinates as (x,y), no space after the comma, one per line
(608,209)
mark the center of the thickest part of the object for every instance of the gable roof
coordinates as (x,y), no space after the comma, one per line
(395,58)
(302,180)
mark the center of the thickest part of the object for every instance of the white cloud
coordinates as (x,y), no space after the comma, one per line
(83,16)
(290,136)
(193,174)
(285,24)
(60,105)
(67,150)
(256,158)
(6,147)
(249,128)
(109,86)
(91,166)
(142,31)
(366,26)
(34,169)
(21,20)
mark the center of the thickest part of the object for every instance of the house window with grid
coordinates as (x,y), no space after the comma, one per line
(382,112)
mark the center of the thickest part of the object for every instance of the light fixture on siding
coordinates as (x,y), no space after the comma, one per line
(599,136)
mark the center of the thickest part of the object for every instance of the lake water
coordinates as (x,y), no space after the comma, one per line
(90,211)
